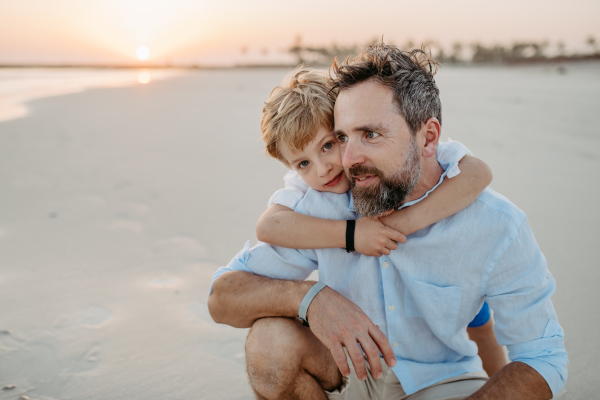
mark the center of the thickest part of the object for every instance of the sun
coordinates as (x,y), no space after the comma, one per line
(142,53)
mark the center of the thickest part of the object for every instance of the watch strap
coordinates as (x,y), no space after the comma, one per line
(308,298)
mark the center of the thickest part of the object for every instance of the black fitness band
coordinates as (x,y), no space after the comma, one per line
(351,224)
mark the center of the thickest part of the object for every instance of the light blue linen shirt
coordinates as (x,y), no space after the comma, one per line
(425,293)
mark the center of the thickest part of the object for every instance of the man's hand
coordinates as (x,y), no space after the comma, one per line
(337,323)
(372,238)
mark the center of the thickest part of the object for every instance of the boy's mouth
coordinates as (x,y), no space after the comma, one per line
(335,180)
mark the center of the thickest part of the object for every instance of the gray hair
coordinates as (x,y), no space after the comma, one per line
(408,74)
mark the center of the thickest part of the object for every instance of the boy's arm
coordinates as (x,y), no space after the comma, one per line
(450,197)
(281,226)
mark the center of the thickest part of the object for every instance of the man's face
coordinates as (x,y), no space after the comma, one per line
(379,154)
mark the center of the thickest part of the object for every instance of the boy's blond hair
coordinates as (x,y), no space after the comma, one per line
(295,111)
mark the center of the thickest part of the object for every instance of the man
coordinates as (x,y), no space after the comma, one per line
(423,295)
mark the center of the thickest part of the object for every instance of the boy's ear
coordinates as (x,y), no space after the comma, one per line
(431,131)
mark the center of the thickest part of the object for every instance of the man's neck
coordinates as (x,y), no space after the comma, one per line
(430,176)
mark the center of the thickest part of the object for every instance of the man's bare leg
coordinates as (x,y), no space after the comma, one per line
(286,361)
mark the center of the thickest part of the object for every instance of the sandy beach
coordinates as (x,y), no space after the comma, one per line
(117,205)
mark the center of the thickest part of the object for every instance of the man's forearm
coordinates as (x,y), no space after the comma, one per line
(240,298)
(515,381)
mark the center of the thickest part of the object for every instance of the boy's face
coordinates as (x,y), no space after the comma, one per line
(320,163)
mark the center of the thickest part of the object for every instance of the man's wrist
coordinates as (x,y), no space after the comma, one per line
(300,291)
(307,300)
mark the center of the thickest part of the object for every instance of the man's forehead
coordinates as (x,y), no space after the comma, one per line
(366,102)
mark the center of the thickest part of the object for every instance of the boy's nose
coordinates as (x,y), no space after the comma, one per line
(323,168)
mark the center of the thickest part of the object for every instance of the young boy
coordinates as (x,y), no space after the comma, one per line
(297,128)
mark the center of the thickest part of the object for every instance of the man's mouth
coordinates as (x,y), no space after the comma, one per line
(335,180)
(365,180)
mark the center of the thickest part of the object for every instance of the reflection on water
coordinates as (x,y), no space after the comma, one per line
(18,85)
(143,77)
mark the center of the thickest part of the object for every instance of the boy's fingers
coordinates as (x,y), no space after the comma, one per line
(395,235)
(398,237)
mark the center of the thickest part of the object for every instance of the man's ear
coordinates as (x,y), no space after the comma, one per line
(431,131)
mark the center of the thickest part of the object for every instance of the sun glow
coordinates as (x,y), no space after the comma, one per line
(143,77)
(142,53)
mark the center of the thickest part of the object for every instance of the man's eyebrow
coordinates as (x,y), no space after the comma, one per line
(371,128)
(364,128)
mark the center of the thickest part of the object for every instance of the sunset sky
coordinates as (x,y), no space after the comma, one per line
(214,32)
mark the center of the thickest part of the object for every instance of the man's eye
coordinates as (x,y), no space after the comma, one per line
(303,164)
(328,146)
(342,138)
(372,135)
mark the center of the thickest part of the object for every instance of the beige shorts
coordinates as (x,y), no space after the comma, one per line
(388,387)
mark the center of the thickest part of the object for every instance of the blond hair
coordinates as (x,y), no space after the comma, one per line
(296,110)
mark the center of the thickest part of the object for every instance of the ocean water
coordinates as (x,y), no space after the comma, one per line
(118,202)
(19,85)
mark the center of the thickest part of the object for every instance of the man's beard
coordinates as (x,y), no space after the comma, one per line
(390,192)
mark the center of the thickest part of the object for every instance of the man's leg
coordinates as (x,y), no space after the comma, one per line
(456,388)
(286,361)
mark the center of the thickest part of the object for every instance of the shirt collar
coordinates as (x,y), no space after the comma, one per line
(409,203)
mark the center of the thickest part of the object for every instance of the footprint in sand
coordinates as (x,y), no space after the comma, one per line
(94,317)
(88,360)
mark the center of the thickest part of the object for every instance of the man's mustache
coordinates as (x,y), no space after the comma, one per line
(360,170)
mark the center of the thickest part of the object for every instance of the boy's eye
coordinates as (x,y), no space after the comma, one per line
(303,164)
(328,146)
(372,135)
(342,138)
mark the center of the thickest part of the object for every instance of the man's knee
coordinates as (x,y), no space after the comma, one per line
(274,355)
(274,339)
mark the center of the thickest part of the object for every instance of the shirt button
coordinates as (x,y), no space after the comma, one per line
(386,264)
(395,344)
(391,308)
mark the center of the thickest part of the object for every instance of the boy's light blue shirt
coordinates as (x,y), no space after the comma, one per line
(424,294)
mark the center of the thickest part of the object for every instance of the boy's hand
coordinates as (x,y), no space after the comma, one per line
(372,238)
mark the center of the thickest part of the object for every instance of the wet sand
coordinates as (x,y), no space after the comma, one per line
(116,205)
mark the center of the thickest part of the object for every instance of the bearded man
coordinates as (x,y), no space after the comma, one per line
(423,295)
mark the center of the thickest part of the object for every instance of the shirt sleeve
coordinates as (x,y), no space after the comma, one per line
(449,154)
(271,261)
(518,289)
(294,190)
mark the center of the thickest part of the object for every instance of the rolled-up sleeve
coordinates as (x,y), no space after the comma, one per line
(271,261)
(518,287)
(449,154)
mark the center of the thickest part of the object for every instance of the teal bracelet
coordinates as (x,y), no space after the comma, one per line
(308,298)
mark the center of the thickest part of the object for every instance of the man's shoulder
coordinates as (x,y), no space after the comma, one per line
(325,205)
(497,208)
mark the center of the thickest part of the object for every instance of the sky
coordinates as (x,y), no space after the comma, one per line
(213,32)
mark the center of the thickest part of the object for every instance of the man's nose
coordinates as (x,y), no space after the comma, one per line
(352,154)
